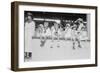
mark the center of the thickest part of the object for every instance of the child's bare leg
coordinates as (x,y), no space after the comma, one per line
(58,40)
(42,38)
(79,43)
(73,40)
(45,38)
(52,40)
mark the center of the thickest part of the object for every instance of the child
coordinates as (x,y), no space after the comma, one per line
(54,33)
(75,36)
(45,33)
(67,31)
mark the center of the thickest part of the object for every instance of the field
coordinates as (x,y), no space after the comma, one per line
(65,50)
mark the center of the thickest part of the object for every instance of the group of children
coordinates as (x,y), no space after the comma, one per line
(73,31)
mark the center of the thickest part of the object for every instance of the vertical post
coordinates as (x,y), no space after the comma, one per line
(88,26)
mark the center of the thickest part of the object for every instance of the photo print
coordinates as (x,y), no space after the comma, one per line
(56,36)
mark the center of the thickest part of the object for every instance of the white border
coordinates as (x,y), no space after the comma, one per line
(23,64)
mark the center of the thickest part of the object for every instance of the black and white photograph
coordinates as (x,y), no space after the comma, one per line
(56,36)
(53,36)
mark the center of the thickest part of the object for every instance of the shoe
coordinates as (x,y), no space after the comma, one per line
(51,47)
(74,48)
(42,43)
(79,46)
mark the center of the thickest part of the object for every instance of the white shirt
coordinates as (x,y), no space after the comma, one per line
(54,31)
(67,32)
(80,26)
(47,32)
(74,34)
